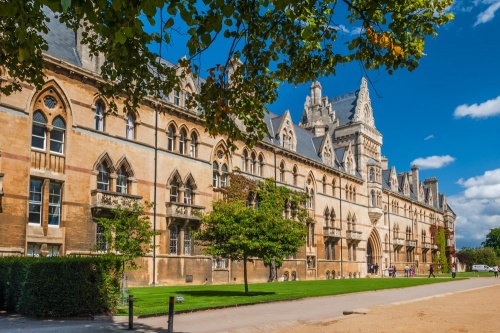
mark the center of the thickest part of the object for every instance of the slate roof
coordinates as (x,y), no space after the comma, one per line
(61,40)
(344,106)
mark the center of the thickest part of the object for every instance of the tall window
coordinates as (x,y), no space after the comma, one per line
(223,176)
(187,242)
(38,133)
(188,194)
(182,142)
(310,199)
(174,191)
(260,166)
(192,145)
(130,127)
(54,203)
(103,178)
(170,137)
(174,239)
(244,159)
(215,175)
(35,205)
(295,176)
(100,239)
(99,117)
(252,163)
(282,172)
(57,136)
(122,181)
(177,99)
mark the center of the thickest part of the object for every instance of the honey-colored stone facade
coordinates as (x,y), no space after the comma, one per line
(357,221)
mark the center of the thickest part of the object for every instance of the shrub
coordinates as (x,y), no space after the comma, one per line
(61,286)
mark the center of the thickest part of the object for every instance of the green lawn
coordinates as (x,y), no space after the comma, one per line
(154,300)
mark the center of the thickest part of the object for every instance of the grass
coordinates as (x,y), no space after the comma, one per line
(154,300)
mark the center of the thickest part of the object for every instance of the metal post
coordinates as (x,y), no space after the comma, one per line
(171,315)
(130,312)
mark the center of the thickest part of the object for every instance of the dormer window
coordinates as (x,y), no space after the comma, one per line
(99,117)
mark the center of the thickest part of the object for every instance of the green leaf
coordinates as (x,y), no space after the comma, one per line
(65,5)
(120,37)
(170,22)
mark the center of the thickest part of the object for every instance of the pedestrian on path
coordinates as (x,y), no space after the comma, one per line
(431,272)
(453,271)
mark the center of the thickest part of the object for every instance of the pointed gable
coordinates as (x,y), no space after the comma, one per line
(286,132)
(393,180)
(325,150)
(363,111)
(349,161)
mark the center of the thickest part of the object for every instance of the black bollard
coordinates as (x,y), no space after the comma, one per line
(171,315)
(130,312)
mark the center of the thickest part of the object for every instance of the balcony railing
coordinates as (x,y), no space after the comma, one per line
(375,213)
(184,211)
(411,243)
(426,245)
(353,234)
(398,241)
(101,199)
(331,232)
(44,161)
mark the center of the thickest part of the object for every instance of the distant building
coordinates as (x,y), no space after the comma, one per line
(65,161)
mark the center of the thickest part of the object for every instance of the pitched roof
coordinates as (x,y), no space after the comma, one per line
(344,106)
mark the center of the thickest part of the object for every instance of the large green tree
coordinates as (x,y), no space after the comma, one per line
(493,240)
(273,42)
(238,231)
(128,232)
(479,255)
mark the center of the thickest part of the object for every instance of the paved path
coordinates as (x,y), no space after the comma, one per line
(250,319)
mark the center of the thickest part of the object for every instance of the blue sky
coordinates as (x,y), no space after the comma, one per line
(444,116)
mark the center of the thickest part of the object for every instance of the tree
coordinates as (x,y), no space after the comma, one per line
(128,232)
(272,200)
(268,43)
(236,231)
(479,255)
(493,240)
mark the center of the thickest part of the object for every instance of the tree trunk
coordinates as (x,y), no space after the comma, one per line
(245,278)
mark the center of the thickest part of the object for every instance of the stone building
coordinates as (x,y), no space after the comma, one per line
(65,161)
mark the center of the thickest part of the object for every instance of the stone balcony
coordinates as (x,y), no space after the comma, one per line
(353,235)
(332,232)
(426,245)
(102,202)
(398,242)
(177,210)
(411,243)
(375,213)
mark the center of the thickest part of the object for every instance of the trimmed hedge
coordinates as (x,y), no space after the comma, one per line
(60,286)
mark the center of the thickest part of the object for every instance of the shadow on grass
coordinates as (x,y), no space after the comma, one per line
(223,293)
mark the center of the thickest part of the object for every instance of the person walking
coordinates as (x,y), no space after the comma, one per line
(431,271)
(495,271)
(453,271)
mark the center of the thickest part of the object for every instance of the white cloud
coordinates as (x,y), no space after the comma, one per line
(483,110)
(432,162)
(486,186)
(429,137)
(488,14)
(477,208)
